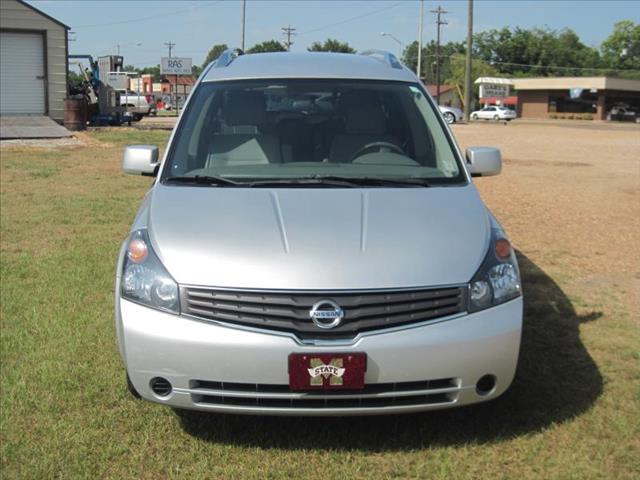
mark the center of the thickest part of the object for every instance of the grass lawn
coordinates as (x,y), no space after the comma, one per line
(573,411)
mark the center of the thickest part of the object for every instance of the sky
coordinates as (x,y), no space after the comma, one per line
(142,28)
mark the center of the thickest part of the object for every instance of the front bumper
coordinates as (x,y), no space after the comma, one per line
(217,367)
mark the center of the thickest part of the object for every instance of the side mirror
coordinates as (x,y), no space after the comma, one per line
(141,160)
(484,161)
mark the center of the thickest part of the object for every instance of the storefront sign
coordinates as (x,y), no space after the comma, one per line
(175,66)
(493,90)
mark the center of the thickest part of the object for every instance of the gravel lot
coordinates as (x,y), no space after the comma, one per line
(569,197)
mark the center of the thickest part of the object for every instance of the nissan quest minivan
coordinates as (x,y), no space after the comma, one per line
(313,244)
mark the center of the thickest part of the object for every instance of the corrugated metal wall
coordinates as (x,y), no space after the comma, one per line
(14,16)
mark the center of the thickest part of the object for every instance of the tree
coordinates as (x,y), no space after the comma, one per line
(267,46)
(538,51)
(478,69)
(331,45)
(214,53)
(75,83)
(621,50)
(410,59)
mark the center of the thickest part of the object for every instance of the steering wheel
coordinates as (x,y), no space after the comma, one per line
(381,146)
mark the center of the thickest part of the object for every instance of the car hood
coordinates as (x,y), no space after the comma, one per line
(318,238)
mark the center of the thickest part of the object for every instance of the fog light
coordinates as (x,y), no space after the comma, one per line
(486,384)
(160,386)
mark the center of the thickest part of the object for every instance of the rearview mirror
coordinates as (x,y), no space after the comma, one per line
(140,160)
(484,161)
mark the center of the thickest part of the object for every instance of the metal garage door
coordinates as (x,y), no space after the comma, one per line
(22,80)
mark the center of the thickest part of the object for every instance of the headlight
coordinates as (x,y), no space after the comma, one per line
(144,278)
(498,278)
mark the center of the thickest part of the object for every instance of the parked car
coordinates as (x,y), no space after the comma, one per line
(623,113)
(494,113)
(451,114)
(306,262)
(138,105)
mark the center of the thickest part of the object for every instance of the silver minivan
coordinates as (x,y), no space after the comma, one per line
(313,244)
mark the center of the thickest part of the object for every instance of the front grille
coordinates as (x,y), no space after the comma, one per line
(376,395)
(289,311)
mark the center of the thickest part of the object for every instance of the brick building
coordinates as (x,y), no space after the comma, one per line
(540,97)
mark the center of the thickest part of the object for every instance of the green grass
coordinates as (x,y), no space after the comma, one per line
(573,411)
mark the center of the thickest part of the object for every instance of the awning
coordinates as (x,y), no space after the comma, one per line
(513,100)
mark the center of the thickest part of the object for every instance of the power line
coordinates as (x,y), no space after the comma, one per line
(358,17)
(560,67)
(151,17)
(289,31)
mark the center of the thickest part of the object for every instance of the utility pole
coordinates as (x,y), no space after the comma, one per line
(173,96)
(419,66)
(170,45)
(289,31)
(468,92)
(439,11)
(244,9)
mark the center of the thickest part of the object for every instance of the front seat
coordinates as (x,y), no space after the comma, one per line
(240,140)
(365,123)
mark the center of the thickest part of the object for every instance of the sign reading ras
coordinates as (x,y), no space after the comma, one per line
(175,66)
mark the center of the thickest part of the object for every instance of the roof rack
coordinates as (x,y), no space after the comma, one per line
(383,56)
(226,57)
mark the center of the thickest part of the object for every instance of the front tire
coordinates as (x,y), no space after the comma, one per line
(449,117)
(132,390)
(496,118)
(474,116)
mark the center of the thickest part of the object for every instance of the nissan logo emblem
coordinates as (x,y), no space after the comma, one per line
(326,314)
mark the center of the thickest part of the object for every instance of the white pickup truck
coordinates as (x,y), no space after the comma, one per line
(137,104)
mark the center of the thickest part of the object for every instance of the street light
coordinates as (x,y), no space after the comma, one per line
(137,44)
(385,34)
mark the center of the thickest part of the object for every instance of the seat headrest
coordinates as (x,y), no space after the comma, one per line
(363,114)
(365,120)
(245,108)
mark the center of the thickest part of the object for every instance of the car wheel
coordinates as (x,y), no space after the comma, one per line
(137,117)
(132,390)
(496,118)
(449,117)
(474,116)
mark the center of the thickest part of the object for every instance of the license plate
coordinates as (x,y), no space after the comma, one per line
(327,371)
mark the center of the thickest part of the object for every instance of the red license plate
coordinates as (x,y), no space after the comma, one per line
(327,371)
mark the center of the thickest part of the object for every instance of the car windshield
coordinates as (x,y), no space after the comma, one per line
(300,129)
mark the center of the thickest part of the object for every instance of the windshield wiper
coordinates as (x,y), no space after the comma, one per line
(320,181)
(379,182)
(317,180)
(337,181)
(204,180)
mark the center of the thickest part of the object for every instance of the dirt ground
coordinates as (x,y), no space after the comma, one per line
(569,198)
